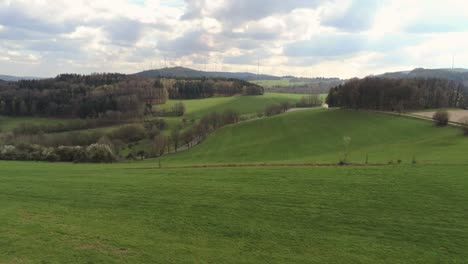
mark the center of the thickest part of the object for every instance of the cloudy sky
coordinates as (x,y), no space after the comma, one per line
(343,38)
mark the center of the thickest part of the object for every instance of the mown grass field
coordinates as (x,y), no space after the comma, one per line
(283,82)
(198,108)
(8,123)
(316,135)
(128,213)
(67,213)
(194,109)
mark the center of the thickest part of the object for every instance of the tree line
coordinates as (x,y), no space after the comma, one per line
(92,96)
(398,94)
(205,88)
(83,96)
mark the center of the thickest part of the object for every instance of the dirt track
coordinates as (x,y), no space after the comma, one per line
(456,116)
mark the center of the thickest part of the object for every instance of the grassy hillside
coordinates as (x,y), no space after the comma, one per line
(7,123)
(66,213)
(197,108)
(317,136)
(282,82)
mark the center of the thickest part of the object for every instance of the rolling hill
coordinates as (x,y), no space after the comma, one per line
(9,78)
(457,74)
(197,108)
(182,72)
(138,213)
(134,212)
(317,136)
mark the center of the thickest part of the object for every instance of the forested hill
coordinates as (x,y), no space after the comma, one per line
(15,78)
(111,94)
(399,94)
(182,72)
(460,75)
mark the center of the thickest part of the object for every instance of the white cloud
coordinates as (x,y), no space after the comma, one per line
(314,37)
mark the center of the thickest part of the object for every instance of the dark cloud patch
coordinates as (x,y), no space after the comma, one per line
(235,12)
(14,16)
(250,57)
(71,46)
(140,54)
(124,31)
(191,42)
(8,33)
(335,45)
(246,59)
(359,16)
(327,46)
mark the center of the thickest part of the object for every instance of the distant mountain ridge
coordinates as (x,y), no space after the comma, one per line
(457,74)
(183,72)
(10,78)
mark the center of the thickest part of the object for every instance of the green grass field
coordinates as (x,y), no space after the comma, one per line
(66,213)
(316,135)
(198,108)
(284,82)
(128,213)
(194,109)
(8,123)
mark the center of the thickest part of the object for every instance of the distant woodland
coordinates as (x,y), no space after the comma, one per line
(398,94)
(101,95)
(305,85)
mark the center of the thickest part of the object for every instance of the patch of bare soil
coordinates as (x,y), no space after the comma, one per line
(456,116)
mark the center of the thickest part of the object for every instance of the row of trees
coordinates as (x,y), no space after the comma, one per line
(397,94)
(178,109)
(107,119)
(307,86)
(162,144)
(80,96)
(312,100)
(211,122)
(205,88)
(47,147)
(98,153)
(89,96)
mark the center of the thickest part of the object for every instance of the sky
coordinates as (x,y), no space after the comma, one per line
(309,38)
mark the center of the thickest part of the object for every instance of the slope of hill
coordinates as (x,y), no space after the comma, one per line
(457,74)
(183,72)
(197,108)
(317,136)
(15,78)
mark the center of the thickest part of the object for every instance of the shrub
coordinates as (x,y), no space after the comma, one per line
(441,118)
(159,145)
(464,127)
(99,153)
(154,127)
(273,110)
(179,109)
(129,133)
(277,109)
(69,154)
(8,152)
(92,153)
(310,101)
